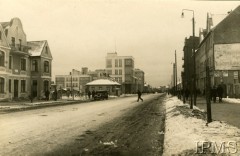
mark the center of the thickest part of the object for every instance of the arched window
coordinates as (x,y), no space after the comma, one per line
(1,85)
(46,66)
(2,58)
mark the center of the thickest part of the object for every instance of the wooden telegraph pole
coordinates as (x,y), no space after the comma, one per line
(208,95)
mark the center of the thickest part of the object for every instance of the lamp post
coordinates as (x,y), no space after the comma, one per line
(194,61)
(72,86)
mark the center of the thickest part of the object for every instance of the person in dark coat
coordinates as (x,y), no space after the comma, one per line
(89,94)
(139,95)
(47,93)
(186,93)
(220,92)
(93,93)
(214,94)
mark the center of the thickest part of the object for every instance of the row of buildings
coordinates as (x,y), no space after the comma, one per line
(217,47)
(25,66)
(118,69)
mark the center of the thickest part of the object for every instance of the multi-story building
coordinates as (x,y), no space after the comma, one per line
(187,73)
(220,51)
(25,66)
(74,81)
(121,69)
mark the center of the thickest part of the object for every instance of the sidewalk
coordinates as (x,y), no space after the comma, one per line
(12,106)
(187,132)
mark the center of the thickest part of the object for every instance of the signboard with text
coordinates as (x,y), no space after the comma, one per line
(227,56)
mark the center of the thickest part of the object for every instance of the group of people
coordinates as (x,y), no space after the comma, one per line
(54,95)
(91,93)
(217,92)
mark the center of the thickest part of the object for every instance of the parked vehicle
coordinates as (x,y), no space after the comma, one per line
(101,95)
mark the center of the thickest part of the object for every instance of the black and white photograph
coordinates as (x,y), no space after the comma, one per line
(119,78)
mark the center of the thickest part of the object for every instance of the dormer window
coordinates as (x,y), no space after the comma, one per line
(2,58)
(13,41)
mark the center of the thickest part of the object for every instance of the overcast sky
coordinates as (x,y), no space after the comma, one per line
(80,33)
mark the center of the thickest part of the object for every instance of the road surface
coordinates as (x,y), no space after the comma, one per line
(59,130)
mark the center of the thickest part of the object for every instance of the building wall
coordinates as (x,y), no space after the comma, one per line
(15,77)
(126,67)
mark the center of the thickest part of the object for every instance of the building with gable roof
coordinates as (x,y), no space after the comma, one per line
(220,51)
(25,66)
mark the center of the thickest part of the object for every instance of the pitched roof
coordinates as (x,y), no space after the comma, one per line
(5,24)
(36,47)
(103,82)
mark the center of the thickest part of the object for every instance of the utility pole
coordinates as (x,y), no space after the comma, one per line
(208,96)
(72,86)
(176,73)
(194,62)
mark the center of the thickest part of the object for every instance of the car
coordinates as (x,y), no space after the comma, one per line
(101,95)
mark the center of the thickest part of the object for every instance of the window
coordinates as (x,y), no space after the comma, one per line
(46,66)
(109,63)
(2,56)
(34,65)
(116,72)
(1,85)
(116,63)
(10,62)
(120,80)
(23,64)
(46,85)
(120,63)
(120,71)
(10,86)
(13,41)
(23,85)
(128,62)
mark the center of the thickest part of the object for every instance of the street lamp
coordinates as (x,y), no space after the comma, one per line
(194,61)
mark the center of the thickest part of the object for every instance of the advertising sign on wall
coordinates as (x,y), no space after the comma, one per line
(227,56)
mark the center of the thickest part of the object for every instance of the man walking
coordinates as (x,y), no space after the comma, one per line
(220,93)
(139,95)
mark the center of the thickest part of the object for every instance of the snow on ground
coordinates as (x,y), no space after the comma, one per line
(231,100)
(183,133)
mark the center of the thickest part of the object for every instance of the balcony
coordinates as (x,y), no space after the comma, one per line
(19,48)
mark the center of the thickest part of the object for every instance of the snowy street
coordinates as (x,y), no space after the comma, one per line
(40,131)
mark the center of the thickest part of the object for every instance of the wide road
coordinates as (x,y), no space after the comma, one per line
(42,131)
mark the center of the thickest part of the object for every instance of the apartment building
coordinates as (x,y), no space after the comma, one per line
(25,66)
(121,70)
(220,51)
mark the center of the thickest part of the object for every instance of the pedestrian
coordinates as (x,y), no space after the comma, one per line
(187,93)
(55,94)
(139,95)
(89,94)
(47,94)
(220,93)
(93,93)
(214,94)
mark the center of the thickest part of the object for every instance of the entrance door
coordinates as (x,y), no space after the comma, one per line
(15,88)
(34,88)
